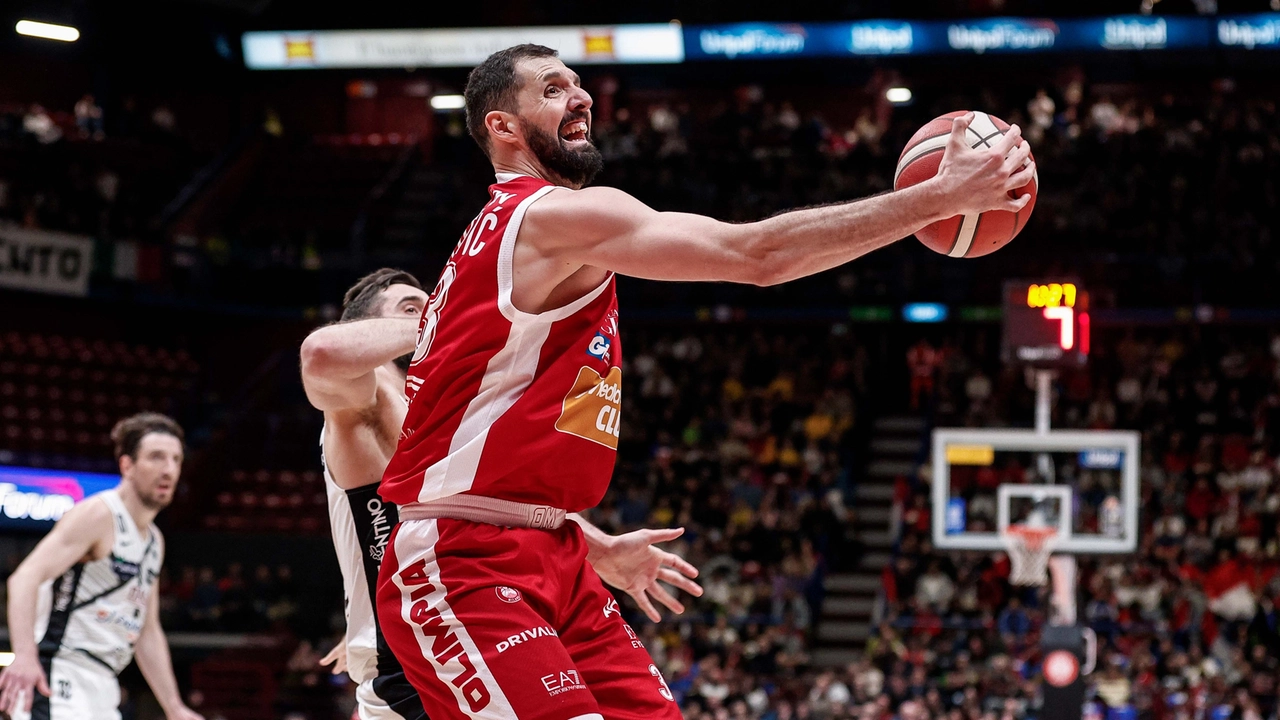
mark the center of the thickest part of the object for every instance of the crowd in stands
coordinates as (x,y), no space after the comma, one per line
(1189,626)
(235,601)
(743,439)
(61,169)
(751,437)
(1162,198)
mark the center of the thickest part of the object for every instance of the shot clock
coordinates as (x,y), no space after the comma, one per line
(1046,323)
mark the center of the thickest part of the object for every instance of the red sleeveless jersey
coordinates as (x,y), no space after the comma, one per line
(503,403)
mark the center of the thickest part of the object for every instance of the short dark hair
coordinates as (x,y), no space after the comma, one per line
(361,301)
(492,86)
(128,433)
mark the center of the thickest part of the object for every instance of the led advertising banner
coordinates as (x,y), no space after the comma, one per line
(671,43)
(1118,33)
(34,499)
(464,47)
(1248,31)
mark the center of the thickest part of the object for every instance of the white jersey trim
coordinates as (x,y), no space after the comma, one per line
(361,634)
(509,373)
(506,377)
(417,541)
(506,264)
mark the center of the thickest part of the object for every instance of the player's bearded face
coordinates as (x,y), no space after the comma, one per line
(156,488)
(578,165)
(154,472)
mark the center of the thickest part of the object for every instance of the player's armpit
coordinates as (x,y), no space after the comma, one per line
(607,228)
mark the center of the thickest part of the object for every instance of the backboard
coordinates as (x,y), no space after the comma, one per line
(985,479)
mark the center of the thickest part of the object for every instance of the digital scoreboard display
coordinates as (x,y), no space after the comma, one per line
(1046,324)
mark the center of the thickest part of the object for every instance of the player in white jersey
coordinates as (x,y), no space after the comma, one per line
(354,371)
(351,371)
(84,602)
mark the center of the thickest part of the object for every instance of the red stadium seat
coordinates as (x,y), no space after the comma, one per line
(250,501)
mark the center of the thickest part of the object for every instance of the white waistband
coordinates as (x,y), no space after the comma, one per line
(486,510)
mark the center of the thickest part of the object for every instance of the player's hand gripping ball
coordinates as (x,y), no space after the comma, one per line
(974,234)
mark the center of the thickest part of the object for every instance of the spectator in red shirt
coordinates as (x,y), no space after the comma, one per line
(1201,499)
(922,360)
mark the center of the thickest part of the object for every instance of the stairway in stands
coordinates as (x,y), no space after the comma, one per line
(849,608)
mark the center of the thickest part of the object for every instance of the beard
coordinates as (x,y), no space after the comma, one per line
(153,501)
(577,167)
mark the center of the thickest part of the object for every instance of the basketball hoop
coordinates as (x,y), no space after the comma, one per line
(1029,549)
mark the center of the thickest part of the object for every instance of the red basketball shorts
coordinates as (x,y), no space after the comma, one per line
(511,623)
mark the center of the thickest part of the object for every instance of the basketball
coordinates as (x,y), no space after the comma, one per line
(962,236)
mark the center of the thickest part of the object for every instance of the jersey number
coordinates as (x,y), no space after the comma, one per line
(663,690)
(431,316)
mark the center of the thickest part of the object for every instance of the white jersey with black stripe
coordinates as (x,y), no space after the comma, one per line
(96,609)
(361,523)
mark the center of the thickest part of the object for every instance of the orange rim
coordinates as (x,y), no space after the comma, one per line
(1032,537)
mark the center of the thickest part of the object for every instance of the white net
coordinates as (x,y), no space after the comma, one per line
(1029,549)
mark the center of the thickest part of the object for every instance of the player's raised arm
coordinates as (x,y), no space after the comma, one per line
(379,325)
(85,530)
(606,228)
(338,361)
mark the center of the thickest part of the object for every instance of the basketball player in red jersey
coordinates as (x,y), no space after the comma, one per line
(354,372)
(485,594)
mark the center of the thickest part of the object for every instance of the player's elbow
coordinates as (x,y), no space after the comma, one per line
(317,355)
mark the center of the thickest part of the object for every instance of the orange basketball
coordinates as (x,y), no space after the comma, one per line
(963,236)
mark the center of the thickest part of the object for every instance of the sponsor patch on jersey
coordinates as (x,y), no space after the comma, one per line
(124,569)
(599,347)
(526,636)
(593,408)
(507,594)
(562,682)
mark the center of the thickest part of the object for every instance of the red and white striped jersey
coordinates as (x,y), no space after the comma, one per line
(503,403)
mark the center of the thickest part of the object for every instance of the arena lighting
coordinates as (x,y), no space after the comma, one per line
(447,102)
(48,31)
(898,95)
(924,312)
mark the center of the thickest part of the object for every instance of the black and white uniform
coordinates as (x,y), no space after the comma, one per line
(89,619)
(361,523)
